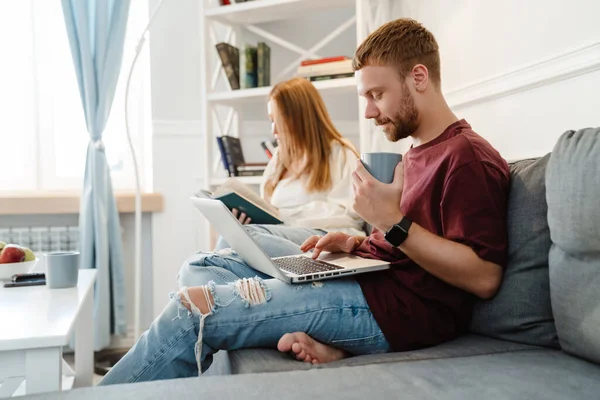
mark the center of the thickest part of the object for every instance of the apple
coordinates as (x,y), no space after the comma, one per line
(29,256)
(11,254)
(2,245)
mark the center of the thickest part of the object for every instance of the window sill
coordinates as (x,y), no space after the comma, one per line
(68,203)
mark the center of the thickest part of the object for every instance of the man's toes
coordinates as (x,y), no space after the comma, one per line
(308,359)
(285,343)
(301,355)
(297,347)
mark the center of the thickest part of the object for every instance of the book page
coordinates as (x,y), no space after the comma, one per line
(234,185)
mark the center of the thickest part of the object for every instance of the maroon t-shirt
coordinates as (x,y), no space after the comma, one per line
(455,186)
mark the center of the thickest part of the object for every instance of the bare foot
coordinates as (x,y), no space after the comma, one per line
(307,349)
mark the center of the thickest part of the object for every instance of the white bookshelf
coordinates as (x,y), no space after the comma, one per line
(260,11)
(231,97)
(221,106)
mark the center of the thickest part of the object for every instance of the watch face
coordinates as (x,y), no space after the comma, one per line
(395,235)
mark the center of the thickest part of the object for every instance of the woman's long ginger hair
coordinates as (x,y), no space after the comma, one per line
(309,135)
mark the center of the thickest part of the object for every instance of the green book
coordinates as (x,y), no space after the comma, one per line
(251,67)
(235,194)
(258,215)
(264,64)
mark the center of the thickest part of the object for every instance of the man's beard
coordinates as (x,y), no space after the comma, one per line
(405,122)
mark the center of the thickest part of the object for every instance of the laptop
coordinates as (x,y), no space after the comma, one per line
(291,269)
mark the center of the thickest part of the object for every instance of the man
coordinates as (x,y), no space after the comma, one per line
(452,188)
(441,223)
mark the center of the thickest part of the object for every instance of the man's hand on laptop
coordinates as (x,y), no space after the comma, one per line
(334,242)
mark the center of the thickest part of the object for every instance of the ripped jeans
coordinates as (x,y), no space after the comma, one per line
(249,310)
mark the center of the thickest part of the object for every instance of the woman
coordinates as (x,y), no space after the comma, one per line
(309,178)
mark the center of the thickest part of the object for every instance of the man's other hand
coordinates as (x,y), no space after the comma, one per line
(376,202)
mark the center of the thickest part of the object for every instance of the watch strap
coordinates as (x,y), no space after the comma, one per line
(398,233)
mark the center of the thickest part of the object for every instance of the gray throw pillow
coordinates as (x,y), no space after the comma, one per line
(521,310)
(573,193)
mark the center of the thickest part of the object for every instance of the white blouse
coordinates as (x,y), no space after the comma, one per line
(330,210)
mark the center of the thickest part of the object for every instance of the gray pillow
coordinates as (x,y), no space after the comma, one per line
(521,311)
(573,193)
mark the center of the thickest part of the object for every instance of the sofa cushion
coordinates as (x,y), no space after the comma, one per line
(573,193)
(542,374)
(266,360)
(521,310)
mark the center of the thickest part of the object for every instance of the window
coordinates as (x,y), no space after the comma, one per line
(43,135)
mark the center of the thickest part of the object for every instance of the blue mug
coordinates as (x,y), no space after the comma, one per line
(381,165)
(62,269)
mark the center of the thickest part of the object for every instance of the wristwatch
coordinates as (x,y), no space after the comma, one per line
(399,232)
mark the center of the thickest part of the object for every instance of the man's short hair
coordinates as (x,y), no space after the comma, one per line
(402,43)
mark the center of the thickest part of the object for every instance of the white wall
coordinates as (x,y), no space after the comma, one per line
(177,142)
(520,72)
(175,64)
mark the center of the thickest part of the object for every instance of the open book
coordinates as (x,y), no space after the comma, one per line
(234,194)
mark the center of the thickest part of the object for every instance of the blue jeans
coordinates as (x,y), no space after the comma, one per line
(276,240)
(180,343)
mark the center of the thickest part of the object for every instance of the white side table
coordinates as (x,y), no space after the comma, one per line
(35,323)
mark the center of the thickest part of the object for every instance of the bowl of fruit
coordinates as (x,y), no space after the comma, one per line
(15,259)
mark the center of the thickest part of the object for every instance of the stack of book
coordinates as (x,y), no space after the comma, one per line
(258,65)
(326,68)
(233,158)
(257,60)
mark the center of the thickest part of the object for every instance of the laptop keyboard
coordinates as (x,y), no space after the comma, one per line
(304,265)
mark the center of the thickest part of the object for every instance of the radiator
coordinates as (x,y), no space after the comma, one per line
(43,239)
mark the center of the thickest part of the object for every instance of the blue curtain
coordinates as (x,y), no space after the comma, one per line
(96,31)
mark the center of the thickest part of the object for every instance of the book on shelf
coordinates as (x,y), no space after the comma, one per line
(235,194)
(230,60)
(251,173)
(257,60)
(323,60)
(269,147)
(266,149)
(233,153)
(251,80)
(329,77)
(228,2)
(251,169)
(331,68)
(224,158)
(247,167)
(263,64)
(253,166)
(233,160)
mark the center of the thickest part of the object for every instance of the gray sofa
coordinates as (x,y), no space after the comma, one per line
(539,337)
